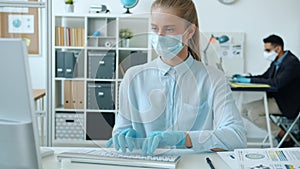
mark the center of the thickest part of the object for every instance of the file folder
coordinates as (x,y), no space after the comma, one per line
(78,94)
(73,94)
(70,61)
(68,104)
(249,85)
(60,64)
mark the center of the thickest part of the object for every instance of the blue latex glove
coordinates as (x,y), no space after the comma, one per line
(126,138)
(167,138)
(237,76)
(241,80)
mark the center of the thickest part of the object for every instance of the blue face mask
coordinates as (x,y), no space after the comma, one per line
(167,46)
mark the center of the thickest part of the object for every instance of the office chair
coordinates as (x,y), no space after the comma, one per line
(290,126)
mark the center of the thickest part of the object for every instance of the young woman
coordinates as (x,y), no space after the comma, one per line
(176,100)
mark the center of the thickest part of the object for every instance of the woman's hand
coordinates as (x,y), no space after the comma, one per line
(167,138)
(126,138)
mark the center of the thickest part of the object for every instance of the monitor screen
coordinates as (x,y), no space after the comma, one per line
(19,143)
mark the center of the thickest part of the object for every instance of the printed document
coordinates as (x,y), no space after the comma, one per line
(269,158)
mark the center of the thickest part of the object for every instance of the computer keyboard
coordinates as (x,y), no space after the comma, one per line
(111,157)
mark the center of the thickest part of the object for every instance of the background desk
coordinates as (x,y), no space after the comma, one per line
(39,95)
(264,90)
(192,161)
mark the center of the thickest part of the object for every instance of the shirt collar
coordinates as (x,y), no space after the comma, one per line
(279,61)
(179,69)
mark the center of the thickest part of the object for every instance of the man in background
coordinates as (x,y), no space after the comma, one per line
(283,75)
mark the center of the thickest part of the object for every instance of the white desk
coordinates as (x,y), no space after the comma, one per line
(39,101)
(264,91)
(192,161)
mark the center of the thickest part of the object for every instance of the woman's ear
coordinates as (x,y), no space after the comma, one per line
(191,31)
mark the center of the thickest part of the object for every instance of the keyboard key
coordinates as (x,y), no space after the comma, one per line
(104,156)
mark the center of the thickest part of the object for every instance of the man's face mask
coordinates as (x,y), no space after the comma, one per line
(167,46)
(271,55)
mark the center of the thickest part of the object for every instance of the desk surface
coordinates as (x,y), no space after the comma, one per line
(38,93)
(189,161)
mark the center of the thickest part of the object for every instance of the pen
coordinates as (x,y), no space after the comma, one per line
(210,163)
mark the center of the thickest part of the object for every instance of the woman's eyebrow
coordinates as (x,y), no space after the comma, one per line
(164,25)
(169,26)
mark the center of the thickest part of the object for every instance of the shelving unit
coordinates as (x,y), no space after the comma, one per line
(85,102)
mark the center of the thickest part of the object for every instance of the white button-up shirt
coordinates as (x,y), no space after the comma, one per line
(188,97)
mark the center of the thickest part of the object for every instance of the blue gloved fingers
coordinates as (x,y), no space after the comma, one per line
(144,148)
(150,141)
(149,146)
(129,138)
(234,80)
(155,142)
(116,142)
(138,143)
(109,143)
(147,143)
(247,80)
(237,76)
(138,140)
(244,80)
(126,138)
(122,142)
(241,80)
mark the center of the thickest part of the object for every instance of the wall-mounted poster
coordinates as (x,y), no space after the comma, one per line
(21,22)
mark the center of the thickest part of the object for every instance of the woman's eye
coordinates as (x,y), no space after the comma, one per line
(154,29)
(169,30)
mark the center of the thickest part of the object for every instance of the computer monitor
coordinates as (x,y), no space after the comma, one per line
(19,145)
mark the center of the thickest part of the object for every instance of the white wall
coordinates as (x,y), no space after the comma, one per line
(257,18)
(38,63)
(37,66)
(82,6)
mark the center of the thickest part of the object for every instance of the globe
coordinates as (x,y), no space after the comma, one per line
(129,4)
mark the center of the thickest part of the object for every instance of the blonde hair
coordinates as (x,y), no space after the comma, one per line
(186,10)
